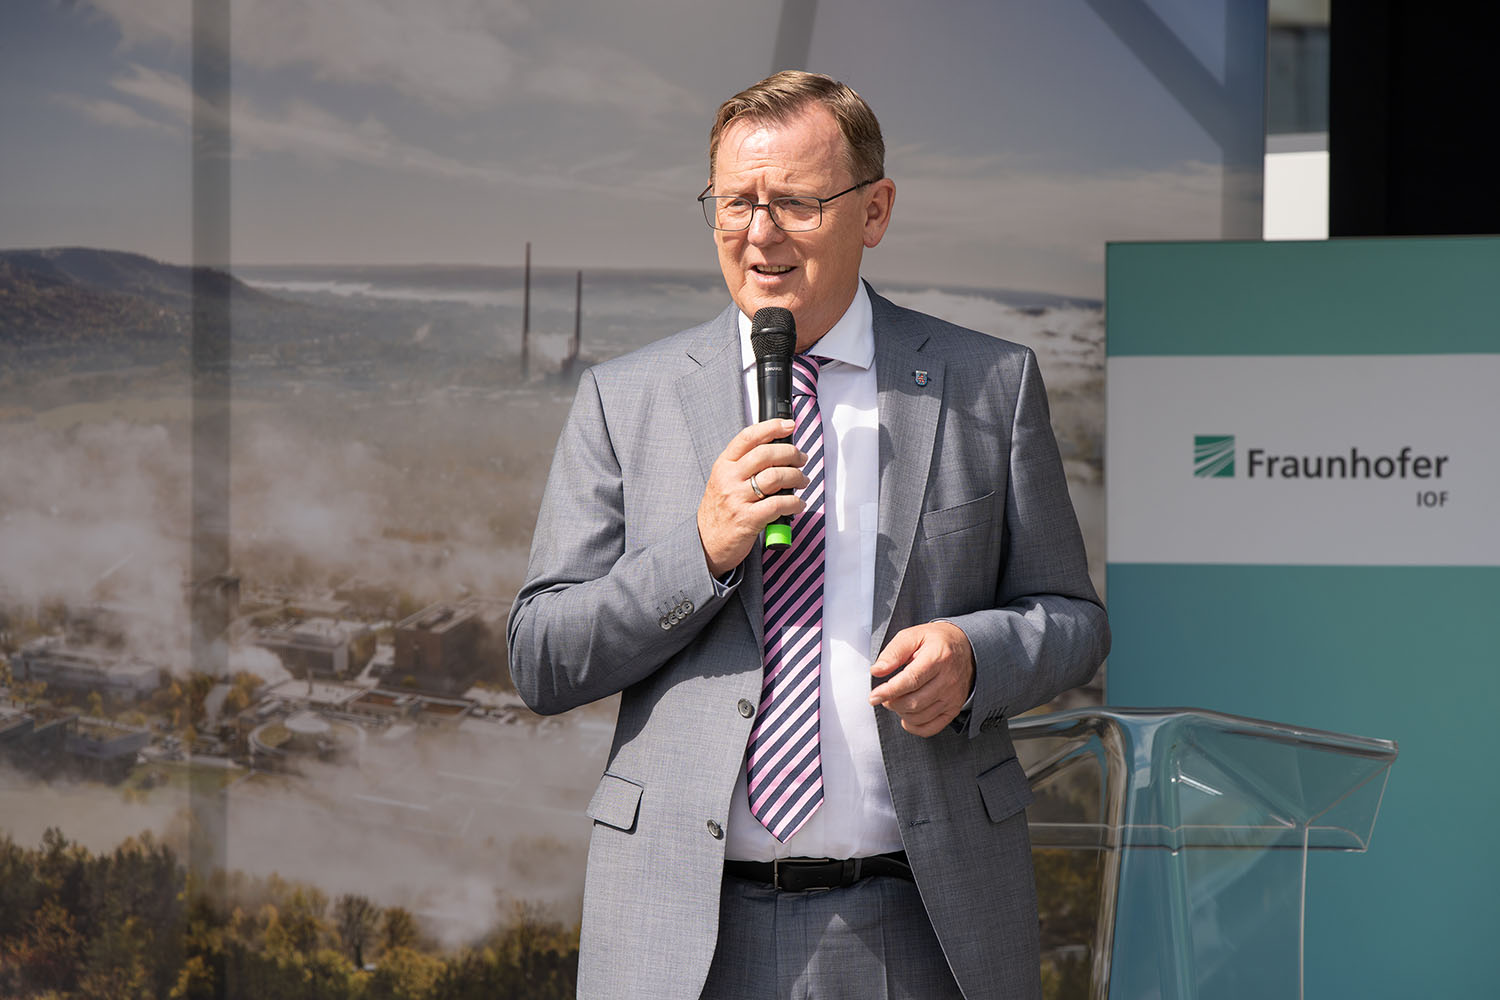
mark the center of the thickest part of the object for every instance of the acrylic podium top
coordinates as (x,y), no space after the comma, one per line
(1108,778)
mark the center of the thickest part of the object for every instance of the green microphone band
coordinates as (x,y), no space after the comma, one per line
(778,534)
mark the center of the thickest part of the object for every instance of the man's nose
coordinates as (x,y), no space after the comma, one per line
(762,229)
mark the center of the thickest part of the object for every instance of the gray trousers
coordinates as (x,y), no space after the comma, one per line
(869,941)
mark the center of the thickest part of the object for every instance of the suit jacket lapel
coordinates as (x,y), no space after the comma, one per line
(908,429)
(712,396)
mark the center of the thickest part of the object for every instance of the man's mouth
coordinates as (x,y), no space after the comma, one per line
(772,268)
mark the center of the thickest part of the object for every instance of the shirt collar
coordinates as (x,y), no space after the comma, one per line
(851,340)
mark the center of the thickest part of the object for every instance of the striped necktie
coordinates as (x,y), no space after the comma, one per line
(784,769)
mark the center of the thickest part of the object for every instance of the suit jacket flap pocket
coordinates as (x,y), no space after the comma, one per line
(1005,790)
(615,802)
(965,515)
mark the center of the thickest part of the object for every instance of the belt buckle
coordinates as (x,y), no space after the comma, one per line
(793,864)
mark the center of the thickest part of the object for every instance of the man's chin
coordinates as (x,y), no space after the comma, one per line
(750,304)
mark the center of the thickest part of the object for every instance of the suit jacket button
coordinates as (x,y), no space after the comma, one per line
(666,625)
(687,608)
(715,830)
(746,709)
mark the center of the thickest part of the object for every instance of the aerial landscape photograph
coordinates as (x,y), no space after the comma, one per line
(303,771)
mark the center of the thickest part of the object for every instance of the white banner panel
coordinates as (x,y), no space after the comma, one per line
(1389,460)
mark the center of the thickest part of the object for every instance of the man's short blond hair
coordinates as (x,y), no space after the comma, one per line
(783,96)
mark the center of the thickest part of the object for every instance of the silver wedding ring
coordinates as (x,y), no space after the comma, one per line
(756,487)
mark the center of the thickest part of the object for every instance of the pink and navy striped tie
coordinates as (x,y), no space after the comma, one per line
(784,769)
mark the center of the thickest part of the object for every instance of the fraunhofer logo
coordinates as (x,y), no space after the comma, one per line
(1213,456)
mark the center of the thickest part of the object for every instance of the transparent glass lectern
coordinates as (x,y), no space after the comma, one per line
(1171,846)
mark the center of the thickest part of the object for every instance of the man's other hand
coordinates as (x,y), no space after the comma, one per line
(730,514)
(936,681)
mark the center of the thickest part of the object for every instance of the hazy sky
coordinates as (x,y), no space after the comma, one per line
(1022,135)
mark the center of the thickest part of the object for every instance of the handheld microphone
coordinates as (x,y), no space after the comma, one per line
(773,338)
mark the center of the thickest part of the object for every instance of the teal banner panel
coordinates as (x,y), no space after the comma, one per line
(1303,483)
(1343,297)
(1407,653)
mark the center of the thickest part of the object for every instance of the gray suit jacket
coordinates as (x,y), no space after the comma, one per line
(975,527)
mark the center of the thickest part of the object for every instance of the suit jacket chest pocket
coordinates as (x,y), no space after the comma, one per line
(961,517)
(956,559)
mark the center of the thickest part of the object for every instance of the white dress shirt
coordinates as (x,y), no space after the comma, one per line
(857,818)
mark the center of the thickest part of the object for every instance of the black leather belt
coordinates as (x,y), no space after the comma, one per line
(802,874)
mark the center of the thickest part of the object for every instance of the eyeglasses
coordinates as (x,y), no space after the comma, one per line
(791,214)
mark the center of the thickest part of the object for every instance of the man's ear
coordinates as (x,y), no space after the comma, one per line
(878,205)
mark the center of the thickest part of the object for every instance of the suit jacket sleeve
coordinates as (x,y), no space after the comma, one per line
(1047,630)
(598,613)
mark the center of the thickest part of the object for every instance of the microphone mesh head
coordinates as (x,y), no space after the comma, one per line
(773,333)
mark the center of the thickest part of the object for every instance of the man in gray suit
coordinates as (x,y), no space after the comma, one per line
(948,592)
